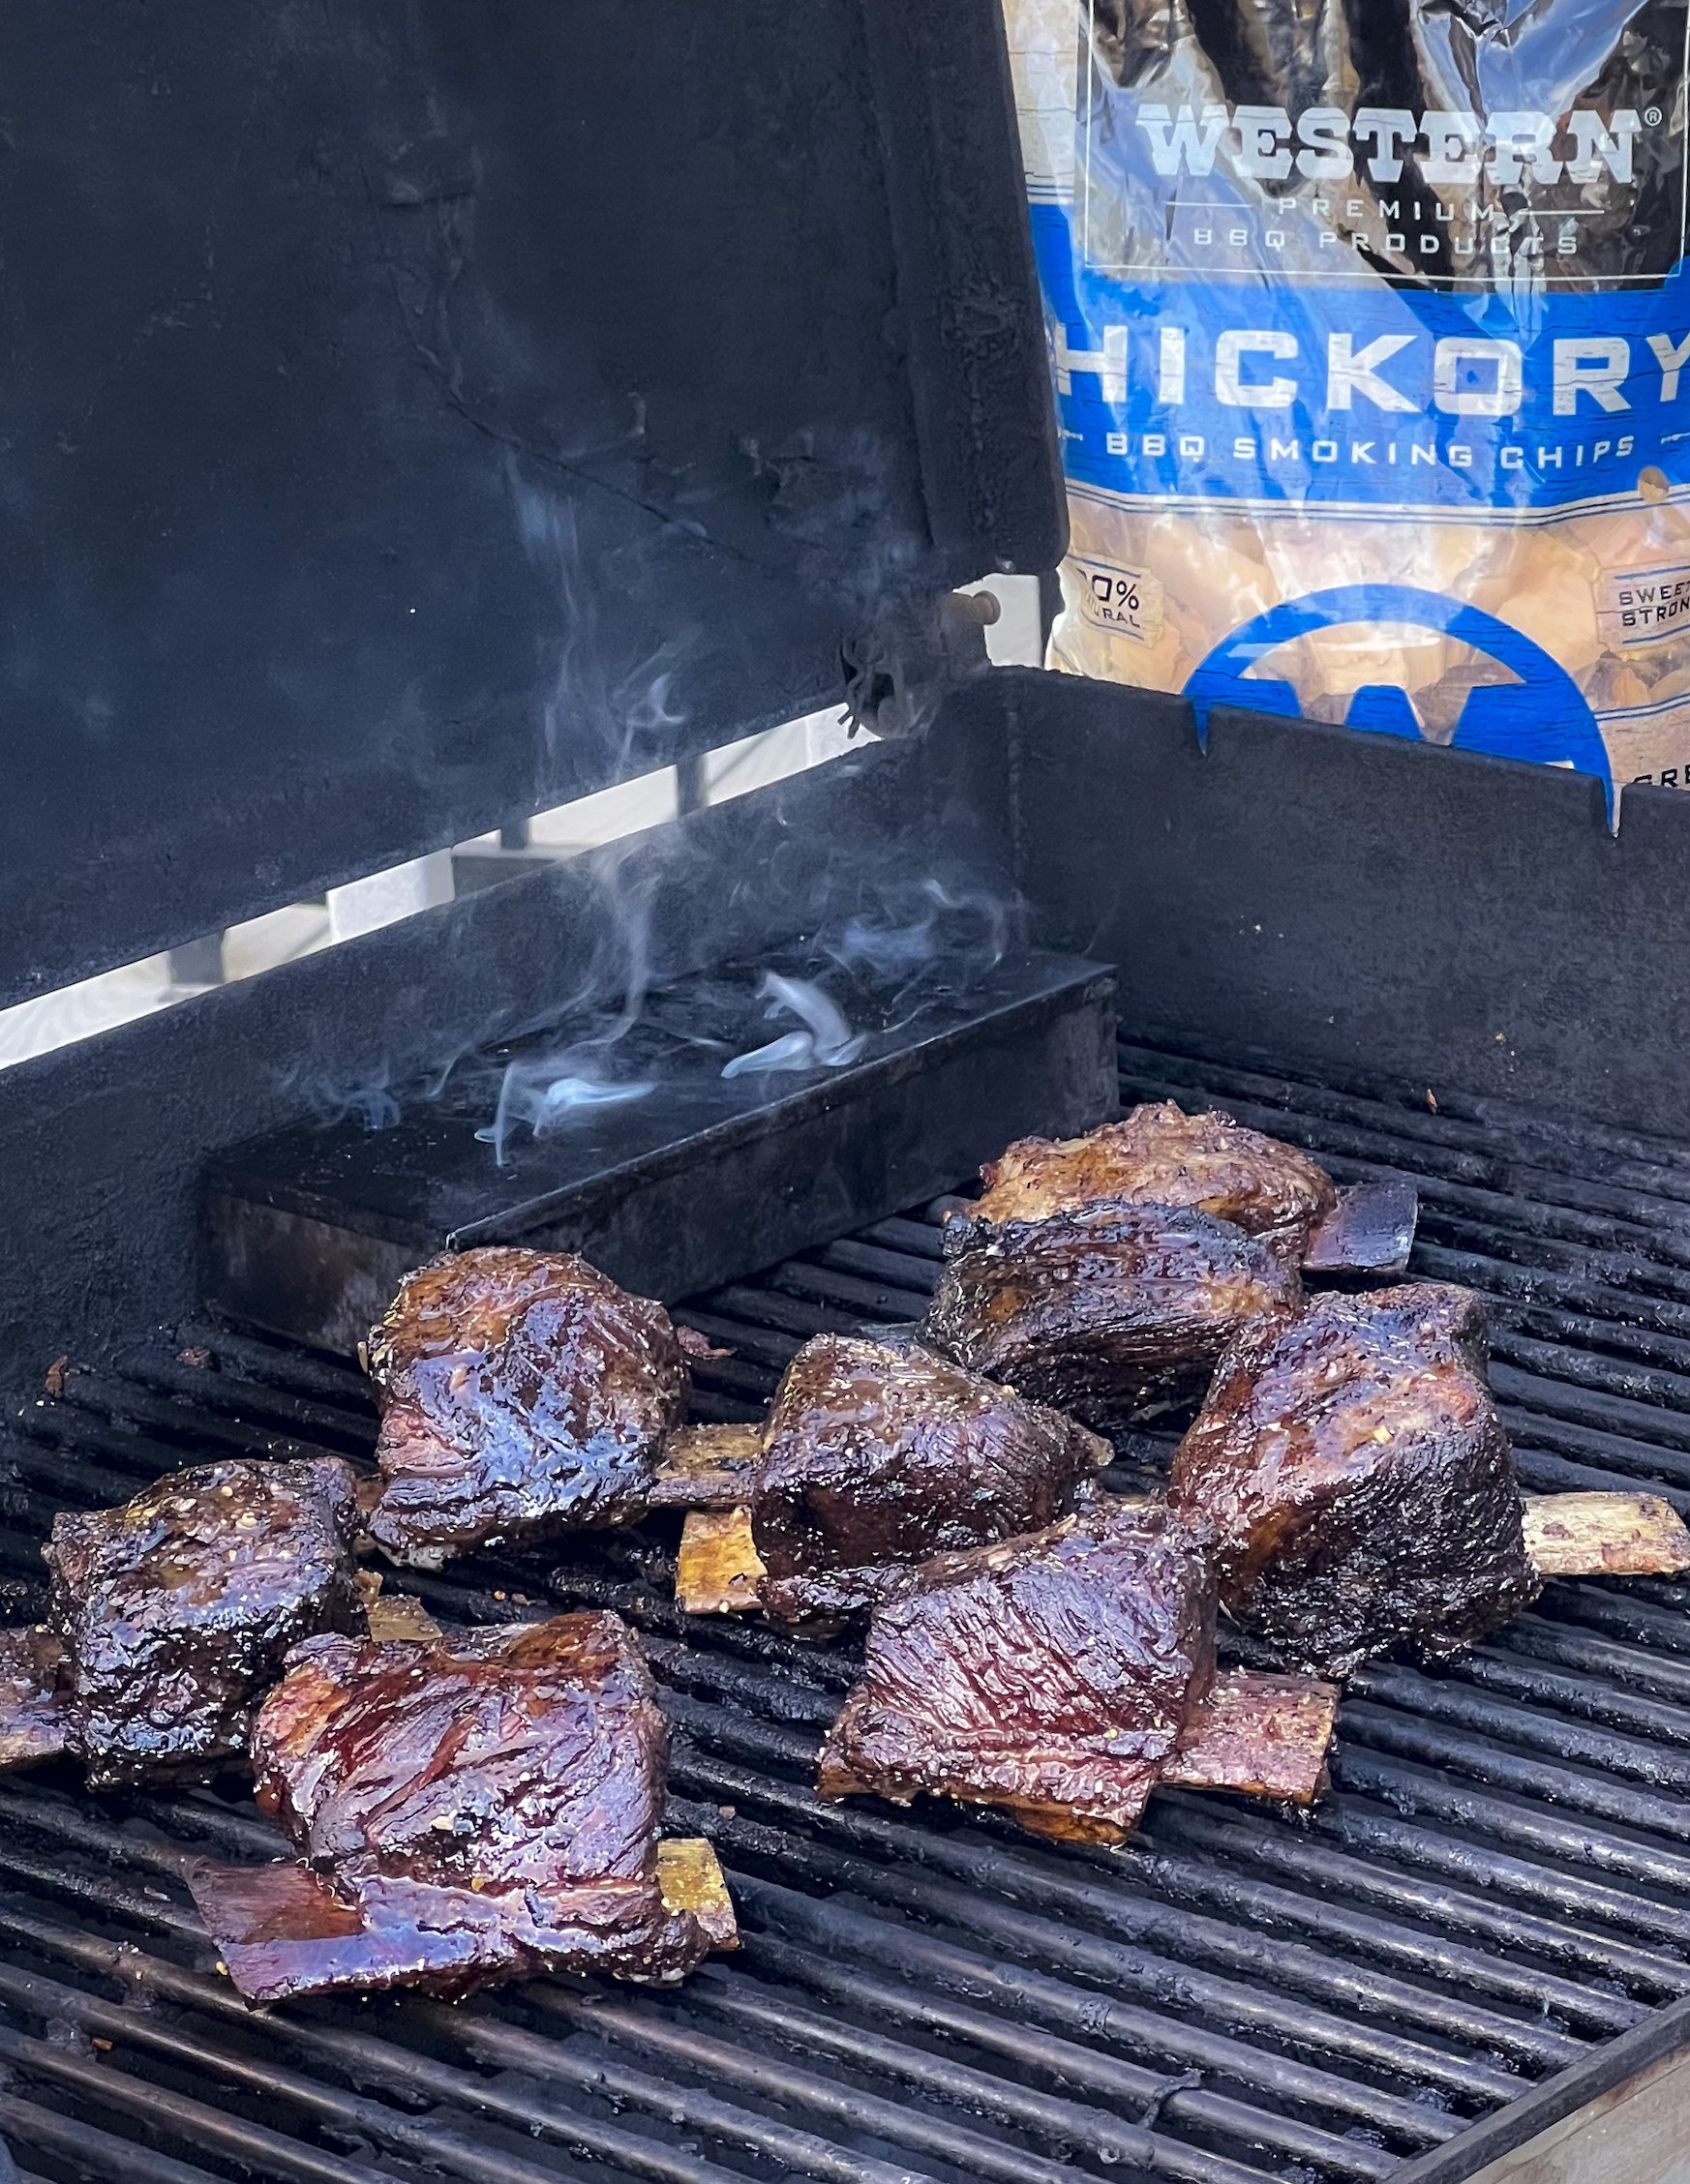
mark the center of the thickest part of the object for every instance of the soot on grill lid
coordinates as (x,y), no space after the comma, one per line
(420,417)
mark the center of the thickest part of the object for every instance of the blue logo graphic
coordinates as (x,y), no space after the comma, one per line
(1540,716)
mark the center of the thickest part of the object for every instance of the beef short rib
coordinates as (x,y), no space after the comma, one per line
(32,1705)
(523,1394)
(176,1610)
(878,1458)
(475,1809)
(1359,1481)
(1052,1676)
(1159,1156)
(1115,1312)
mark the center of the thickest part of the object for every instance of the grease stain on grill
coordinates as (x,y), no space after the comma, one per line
(1494,1899)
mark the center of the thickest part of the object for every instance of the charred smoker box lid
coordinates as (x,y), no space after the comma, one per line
(418,417)
(702,1181)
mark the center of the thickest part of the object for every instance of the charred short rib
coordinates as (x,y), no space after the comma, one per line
(476,1809)
(523,1394)
(1115,1312)
(32,1704)
(1159,1156)
(1359,1481)
(1052,1676)
(176,1610)
(877,1457)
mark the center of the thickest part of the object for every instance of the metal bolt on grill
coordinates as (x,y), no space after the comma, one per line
(1487,1921)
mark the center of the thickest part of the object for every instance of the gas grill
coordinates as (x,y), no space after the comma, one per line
(1484,1923)
(454,413)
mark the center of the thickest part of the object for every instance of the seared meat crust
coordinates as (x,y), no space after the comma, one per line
(1113,1311)
(524,1393)
(876,1458)
(1359,1481)
(1051,1675)
(32,1707)
(1159,1156)
(470,1810)
(176,1611)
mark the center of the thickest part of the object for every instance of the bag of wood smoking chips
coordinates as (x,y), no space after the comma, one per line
(1371,340)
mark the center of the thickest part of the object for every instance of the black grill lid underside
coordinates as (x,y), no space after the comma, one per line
(1486,1922)
(417,416)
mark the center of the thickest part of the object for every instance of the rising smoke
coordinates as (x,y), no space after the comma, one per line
(871,942)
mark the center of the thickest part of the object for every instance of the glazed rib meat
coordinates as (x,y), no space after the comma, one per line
(1159,1156)
(1052,1675)
(523,1394)
(1359,1481)
(1115,1312)
(176,1611)
(32,1708)
(475,1809)
(878,1458)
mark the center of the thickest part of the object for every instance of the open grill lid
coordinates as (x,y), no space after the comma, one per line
(416,417)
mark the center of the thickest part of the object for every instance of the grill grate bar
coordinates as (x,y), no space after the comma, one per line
(357,2055)
(1601,1316)
(918,1240)
(200,1388)
(1047,2116)
(106,1843)
(1634,1431)
(1467,1806)
(1507,1150)
(1541,1473)
(765,1347)
(1558,1456)
(802,1316)
(1635,1615)
(508,2047)
(1373,1822)
(841,2103)
(901,1271)
(1236,1835)
(1505,1179)
(163,2112)
(239,1835)
(1437,1743)
(910,1952)
(934,2011)
(269,1362)
(59,1433)
(1056,1940)
(1622,1380)
(1605,1661)
(201,1431)
(848,1294)
(1451,1697)
(65,1479)
(1500,1132)
(92,2152)
(1525,1201)
(781,1700)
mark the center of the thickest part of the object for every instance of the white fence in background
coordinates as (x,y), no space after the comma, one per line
(137,989)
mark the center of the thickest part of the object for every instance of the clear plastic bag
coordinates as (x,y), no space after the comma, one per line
(1372,338)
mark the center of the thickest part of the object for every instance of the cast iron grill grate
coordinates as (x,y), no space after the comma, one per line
(1488,1920)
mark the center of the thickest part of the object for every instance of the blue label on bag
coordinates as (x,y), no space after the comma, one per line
(1539,714)
(1376,306)
(1385,396)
